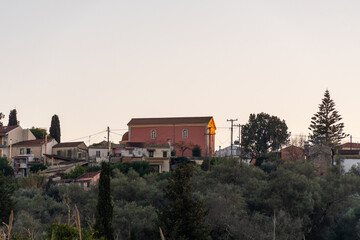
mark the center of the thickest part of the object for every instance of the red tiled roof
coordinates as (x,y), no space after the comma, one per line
(6,129)
(67,144)
(89,175)
(175,120)
(32,142)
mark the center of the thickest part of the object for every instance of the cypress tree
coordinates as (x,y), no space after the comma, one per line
(12,118)
(6,203)
(325,124)
(183,217)
(55,128)
(1,117)
(104,207)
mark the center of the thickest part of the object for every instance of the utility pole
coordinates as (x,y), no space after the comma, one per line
(108,139)
(10,156)
(239,126)
(231,138)
(208,150)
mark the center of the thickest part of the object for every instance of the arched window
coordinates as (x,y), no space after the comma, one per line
(185,133)
(153,134)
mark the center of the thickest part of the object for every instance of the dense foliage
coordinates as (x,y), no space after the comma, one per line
(5,168)
(241,202)
(325,125)
(55,131)
(183,215)
(141,167)
(13,118)
(6,203)
(1,117)
(263,133)
(39,133)
(35,167)
(75,173)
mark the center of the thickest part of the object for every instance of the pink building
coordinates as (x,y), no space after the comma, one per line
(182,133)
(88,180)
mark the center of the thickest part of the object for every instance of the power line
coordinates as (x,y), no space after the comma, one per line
(116,133)
(87,136)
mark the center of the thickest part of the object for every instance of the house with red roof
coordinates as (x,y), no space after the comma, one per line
(292,153)
(181,133)
(88,180)
(36,148)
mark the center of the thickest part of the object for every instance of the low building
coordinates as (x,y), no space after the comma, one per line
(71,150)
(131,151)
(36,148)
(22,164)
(99,152)
(158,156)
(226,152)
(292,153)
(88,180)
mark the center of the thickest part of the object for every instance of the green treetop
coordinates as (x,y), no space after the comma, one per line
(325,125)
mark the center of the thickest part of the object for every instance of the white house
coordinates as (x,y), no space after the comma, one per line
(10,135)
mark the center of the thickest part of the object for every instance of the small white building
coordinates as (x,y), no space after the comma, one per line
(99,152)
(226,152)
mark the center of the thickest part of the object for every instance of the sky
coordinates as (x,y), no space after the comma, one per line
(100,63)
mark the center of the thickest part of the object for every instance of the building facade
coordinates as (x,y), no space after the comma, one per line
(181,133)
(36,148)
(10,135)
(71,150)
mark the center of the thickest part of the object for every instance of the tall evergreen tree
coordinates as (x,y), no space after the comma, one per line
(1,117)
(325,125)
(55,128)
(183,218)
(6,203)
(12,118)
(104,207)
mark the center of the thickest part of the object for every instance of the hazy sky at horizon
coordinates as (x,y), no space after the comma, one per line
(100,63)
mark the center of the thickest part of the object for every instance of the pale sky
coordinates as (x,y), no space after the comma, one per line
(101,63)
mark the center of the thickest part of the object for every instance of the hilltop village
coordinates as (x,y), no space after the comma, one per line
(165,179)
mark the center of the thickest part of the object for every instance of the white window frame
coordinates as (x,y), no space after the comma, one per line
(153,134)
(185,133)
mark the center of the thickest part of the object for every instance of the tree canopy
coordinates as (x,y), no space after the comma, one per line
(13,118)
(1,117)
(264,133)
(39,133)
(325,125)
(55,128)
(183,217)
